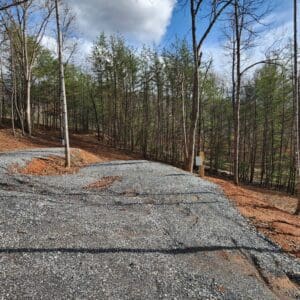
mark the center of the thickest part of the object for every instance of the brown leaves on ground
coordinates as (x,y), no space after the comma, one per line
(8,142)
(90,151)
(104,182)
(90,143)
(55,165)
(271,212)
(45,139)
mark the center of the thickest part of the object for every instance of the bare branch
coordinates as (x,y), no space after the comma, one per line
(12,4)
(268,62)
(216,15)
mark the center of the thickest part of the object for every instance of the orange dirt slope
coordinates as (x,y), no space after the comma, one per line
(88,151)
(47,139)
(55,165)
(271,213)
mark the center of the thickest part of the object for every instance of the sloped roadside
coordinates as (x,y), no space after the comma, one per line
(154,232)
(45,139)
(271,213)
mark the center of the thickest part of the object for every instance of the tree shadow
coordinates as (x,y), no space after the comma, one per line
(170,251)
(174,175)
(119,203)
(117,163)
(137,194)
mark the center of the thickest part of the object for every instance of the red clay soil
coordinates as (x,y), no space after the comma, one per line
(47,139)
(271,212)
(90,143)
(8,142)
(91,151)
(55,165)
(103,183)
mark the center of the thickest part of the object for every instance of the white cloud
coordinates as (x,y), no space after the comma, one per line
(50,43)
(140,20)
(82,48)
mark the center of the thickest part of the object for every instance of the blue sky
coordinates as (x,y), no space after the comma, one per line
(180,20)
(276,33)
(280,17)
(160,21)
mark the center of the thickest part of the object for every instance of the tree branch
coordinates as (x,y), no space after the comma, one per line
(198,6)
(212,23)
(268,62)
(12,5)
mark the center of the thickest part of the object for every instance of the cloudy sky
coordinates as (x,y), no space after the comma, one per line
(159,21)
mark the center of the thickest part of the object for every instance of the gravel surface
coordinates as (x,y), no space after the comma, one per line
(157,233)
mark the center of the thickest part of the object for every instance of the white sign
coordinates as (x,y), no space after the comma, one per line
(198,161)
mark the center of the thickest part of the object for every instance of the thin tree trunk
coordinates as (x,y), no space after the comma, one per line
(96,116)
(63,89)
(237,98)
(13,93)
(296,99)
(28,106)
(233,89)
(183,121)
(189,163)
(254,145)
(27,72)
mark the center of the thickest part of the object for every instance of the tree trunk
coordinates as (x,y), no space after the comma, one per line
(296,100)
(96,117)
(189,163)
(28,106)
(233,88)
(27,74)
(63,95)
(237,97)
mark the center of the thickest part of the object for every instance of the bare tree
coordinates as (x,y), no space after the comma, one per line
(245,14)
(63,96)
(216,9)
(238,32)
(67,19)
(296,104)
(28,40)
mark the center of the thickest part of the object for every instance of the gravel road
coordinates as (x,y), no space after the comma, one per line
(158,233)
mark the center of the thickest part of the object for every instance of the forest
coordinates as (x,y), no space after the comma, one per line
(166,104)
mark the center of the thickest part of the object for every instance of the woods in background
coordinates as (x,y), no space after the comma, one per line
(164,104)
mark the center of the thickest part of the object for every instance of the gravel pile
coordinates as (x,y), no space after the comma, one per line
(156,233)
